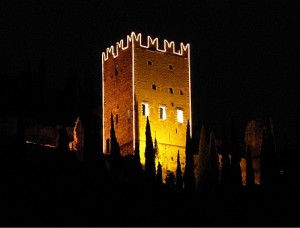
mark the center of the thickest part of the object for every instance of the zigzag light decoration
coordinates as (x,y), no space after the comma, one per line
(137,39)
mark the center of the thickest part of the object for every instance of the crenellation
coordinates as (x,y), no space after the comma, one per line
(153,44)
(170,47)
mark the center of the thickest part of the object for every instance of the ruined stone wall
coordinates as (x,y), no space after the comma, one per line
(253,137)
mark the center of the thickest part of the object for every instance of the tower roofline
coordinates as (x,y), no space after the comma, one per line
(169,46)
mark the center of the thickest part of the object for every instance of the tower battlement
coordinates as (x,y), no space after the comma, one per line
(153,44)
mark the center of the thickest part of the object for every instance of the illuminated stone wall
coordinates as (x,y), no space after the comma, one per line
(158,77)
(170,134)
(117,85)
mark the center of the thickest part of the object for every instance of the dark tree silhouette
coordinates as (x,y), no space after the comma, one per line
(137,166)
(63,143)
(235,168)
(170,179)
(179,181)
(149,155)
(189,176)
(249,168)
(269,162)
(156,151)
(214,160)
(93,153)
(115,155)
(225,161)
(204,164)
(159,178)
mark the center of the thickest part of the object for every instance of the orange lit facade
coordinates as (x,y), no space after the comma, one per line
(140,80)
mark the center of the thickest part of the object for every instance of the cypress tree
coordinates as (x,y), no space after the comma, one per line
(179,181)
(63,143)
(269,162)
(189,176)
(170,179)
(236,172)
(203,161)
(149,155)
(214,160)
(137,166)
(249,168)
(159,179)
(115,155)
(225,161)
(155,148)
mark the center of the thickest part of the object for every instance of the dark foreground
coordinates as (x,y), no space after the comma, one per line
(54,193)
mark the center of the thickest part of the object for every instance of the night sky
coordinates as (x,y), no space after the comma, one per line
(243,53)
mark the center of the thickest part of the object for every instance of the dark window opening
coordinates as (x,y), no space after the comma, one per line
(149,63)
(116,70)
(154,87)
(181,93)
(170,67)
(171,90)
(176,130)
(172,103)
(144,109)
(161,113)
(117,119)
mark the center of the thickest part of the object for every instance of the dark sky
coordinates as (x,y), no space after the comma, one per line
(244,54)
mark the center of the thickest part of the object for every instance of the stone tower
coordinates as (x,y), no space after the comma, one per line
(140,80)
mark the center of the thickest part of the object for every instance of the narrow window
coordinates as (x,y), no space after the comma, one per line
(181,93)
(171,90)
(149,63)
(128,114)
(117,119)
(145,109)
(162,113)
(170,67)
(116,70)
(154,87)
(180,115)
(172,103)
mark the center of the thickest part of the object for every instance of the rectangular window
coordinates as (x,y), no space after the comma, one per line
(145,109)
(180,115)
(162,113)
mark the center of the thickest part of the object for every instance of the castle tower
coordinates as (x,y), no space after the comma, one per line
(140,80)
